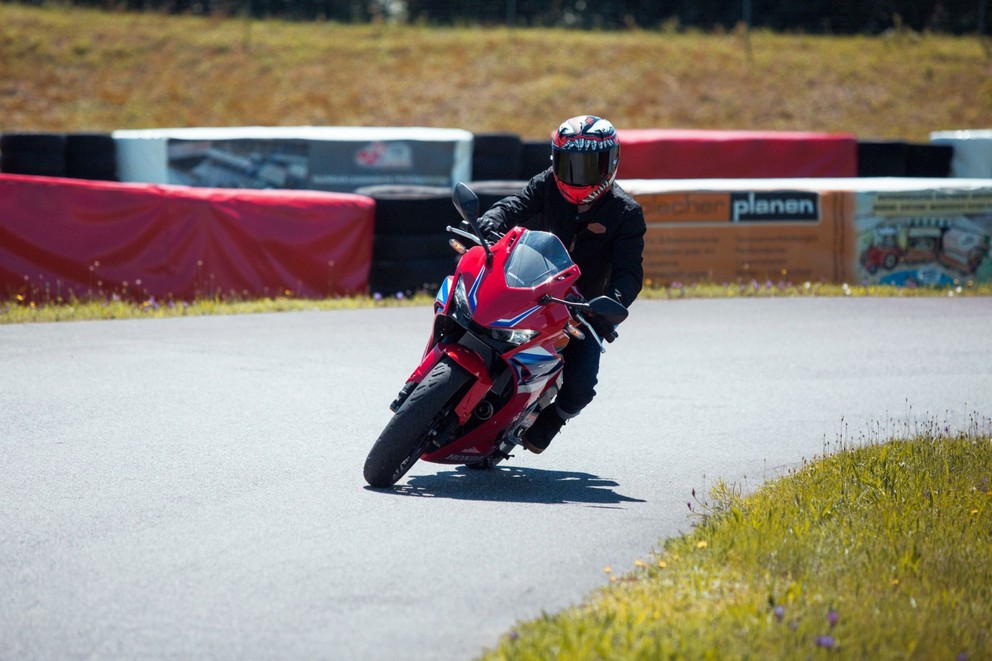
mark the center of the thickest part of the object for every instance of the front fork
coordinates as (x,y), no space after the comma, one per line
(467,360)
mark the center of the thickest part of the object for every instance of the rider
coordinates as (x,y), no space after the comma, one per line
(603,228)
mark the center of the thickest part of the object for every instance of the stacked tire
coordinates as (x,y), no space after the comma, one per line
(73,155)
(496,156)
(880,158)
(410,250)
(535,157)
(39,154)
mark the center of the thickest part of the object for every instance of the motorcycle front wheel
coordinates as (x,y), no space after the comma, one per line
(419,421)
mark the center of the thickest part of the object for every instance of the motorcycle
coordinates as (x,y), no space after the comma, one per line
(493,359)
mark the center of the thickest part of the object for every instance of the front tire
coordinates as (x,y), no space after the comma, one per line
(423,416)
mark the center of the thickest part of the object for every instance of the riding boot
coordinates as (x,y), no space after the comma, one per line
(549,422)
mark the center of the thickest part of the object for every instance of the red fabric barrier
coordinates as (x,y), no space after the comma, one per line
(61,235)
(699,154)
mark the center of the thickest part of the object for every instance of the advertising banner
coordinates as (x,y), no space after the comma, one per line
(742,231)
(925,236)
(334,159)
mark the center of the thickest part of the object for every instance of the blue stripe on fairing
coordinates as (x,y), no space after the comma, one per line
(516,320)
(538,356)
(473,299)
(444,292)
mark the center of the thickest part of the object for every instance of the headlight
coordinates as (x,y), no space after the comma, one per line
(461,300)
(513,335)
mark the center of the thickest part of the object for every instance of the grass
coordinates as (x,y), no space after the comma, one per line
(67,69)
(44,307)
(881,550)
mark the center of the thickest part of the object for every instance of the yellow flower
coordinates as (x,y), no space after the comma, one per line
(701,544)
(974,512)
(608,569)
(894,581)
(662,564)
(639,563)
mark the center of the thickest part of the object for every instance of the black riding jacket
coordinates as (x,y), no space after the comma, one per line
(606,241)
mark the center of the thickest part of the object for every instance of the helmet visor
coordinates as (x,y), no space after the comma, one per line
(582,168)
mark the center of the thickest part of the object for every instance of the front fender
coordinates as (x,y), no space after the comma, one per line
(474,365)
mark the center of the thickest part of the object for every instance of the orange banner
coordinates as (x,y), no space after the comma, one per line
(743,235)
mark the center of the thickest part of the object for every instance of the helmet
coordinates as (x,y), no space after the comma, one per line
(585,153)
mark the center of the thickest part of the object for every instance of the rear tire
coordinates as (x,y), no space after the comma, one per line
(422,417)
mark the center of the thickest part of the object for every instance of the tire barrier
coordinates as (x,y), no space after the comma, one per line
(882,159)
(903,159)
(496,156)
(709,154)
(491,192)
(410,250)
(929,160)
(39,154)
(155,242)
(73,155)
(535,157)
(90,156)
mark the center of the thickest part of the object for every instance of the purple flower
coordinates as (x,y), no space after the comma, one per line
(832,618)
(826,642)
(779,613)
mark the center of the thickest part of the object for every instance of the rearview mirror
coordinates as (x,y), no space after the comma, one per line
(467,202)
(609,309)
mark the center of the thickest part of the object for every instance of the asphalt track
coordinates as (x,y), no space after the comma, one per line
(192,488)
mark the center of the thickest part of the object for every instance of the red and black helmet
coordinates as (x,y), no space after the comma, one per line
(585,153)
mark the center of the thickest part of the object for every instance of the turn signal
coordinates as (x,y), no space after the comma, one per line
(458,247)
(575,332)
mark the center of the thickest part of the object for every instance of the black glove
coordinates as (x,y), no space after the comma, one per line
(489,230)
(603,328)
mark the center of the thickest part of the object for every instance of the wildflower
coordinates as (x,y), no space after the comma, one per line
(702,544)
(607,569)
(826,642)
(662,564)
(639,563)
(779,613)
(832,618)
(377,296)
(514,635)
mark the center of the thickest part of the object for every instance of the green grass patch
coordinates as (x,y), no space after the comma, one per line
(45,307)
(882,551)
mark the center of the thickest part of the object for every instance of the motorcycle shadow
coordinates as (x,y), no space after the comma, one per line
(516,484)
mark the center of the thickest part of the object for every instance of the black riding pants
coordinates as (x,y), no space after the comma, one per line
(579,376)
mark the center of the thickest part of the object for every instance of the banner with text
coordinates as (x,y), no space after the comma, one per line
(744,232)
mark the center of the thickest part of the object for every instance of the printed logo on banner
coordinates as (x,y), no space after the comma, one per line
(385,156)
(774,206)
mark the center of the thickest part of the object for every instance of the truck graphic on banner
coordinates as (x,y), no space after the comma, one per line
(924,238)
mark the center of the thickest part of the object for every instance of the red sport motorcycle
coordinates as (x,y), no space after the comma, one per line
(494,357)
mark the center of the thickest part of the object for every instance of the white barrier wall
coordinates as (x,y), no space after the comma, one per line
(972,151)
(328,158)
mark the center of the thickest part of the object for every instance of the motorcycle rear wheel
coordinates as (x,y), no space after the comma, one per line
(421,418)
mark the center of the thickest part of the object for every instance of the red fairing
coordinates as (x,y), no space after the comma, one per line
(495,304)
(62,237)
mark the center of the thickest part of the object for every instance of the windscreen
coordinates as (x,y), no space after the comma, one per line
(536,257)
